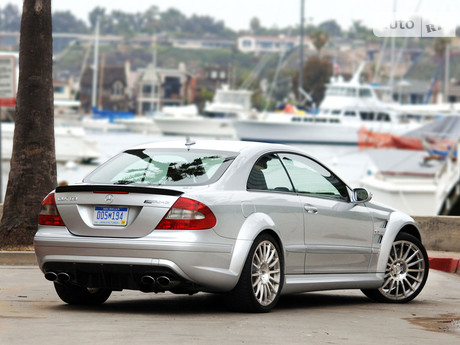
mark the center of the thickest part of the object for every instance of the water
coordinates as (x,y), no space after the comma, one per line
(349,162)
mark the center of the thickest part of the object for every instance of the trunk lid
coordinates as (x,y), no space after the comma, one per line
(113,211)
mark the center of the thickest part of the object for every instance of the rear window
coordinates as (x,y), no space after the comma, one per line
(164,168)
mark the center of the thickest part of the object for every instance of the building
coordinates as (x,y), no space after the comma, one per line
(158,87)
(111,89)
(64,96)
(270,44)
(202,43)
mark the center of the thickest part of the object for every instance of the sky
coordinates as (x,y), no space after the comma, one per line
(237,14)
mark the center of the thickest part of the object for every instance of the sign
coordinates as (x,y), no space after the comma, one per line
(7,80)
(400,24)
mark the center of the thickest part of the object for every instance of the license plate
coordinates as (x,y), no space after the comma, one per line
(117,216)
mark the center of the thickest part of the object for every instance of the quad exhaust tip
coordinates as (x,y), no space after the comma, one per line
(63,277)
(51,276)
(60,277)
(161,281)
(148,280)
(164,281)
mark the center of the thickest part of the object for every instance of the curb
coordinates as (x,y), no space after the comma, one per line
(18,258)
(449,265)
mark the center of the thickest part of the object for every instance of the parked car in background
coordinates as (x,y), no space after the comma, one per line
(248,220)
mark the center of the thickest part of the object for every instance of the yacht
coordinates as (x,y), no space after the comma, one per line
(216,120)
(71,144)
(347,107)
(415,182)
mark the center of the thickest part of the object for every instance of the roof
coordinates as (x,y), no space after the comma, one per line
(219,145)
(111,74)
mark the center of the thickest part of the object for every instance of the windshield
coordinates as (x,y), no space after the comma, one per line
(168,168)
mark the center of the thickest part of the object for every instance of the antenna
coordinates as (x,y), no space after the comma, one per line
(189,142)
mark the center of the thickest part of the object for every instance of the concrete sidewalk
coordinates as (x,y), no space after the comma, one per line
(442,261)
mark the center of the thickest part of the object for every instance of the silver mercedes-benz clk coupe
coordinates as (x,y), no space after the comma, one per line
(248,220)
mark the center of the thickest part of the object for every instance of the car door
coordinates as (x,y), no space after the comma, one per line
(338,233)
(272,194)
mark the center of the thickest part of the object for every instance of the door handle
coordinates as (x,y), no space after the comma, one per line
(311,209)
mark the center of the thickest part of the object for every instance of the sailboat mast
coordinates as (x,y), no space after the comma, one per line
(95,63)
(302,6)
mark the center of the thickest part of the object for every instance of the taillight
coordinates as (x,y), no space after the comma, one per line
(188,214)
(49,215)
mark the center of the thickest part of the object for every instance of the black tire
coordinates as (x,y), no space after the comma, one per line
(261,281)
(79,295)
(405,274)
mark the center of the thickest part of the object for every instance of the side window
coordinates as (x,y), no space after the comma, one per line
(269,174)
(311,178)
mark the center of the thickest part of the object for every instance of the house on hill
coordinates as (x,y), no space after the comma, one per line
(111,89)
(157,87)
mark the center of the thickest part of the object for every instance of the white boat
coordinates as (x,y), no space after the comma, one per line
(94,124)
(147,124)
(217,118)
(413,181)
(140,124)
(347,106)
(70,142)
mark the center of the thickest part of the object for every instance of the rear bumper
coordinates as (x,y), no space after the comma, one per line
(198,259)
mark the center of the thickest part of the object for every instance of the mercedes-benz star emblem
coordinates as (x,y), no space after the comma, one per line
(108,198)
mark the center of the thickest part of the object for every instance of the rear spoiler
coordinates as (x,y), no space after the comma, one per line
(114,189)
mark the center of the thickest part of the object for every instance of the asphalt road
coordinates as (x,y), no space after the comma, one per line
(31,313)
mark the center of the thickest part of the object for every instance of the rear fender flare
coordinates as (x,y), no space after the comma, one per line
(255,224)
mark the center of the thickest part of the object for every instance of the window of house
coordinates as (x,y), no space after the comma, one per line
(118,88)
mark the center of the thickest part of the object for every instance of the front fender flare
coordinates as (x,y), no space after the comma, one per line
(396,223)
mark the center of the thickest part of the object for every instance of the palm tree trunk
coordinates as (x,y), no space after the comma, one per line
(33,163)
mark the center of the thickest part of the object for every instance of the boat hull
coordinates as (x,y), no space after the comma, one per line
(334,133)
(197,126)
(144,125)
(71,144)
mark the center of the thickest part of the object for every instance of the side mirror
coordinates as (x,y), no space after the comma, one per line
(361,195)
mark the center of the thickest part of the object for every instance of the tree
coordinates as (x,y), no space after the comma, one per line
(255,25)
(10,18)
(33,163)
(172,20)
(440,46)
(316,73)
(92,16)
(358,31)
(65,21)
(331,28)
(319,39)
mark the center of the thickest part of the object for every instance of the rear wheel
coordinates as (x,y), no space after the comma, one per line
(406,272)
(261,280)
(79,295)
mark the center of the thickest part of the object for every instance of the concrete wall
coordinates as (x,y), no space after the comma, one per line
(440,233)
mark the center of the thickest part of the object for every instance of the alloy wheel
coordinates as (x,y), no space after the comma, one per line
(404,272)
(266,273)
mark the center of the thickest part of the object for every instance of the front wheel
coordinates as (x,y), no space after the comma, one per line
(406,272)
(261,280)
(79,295)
